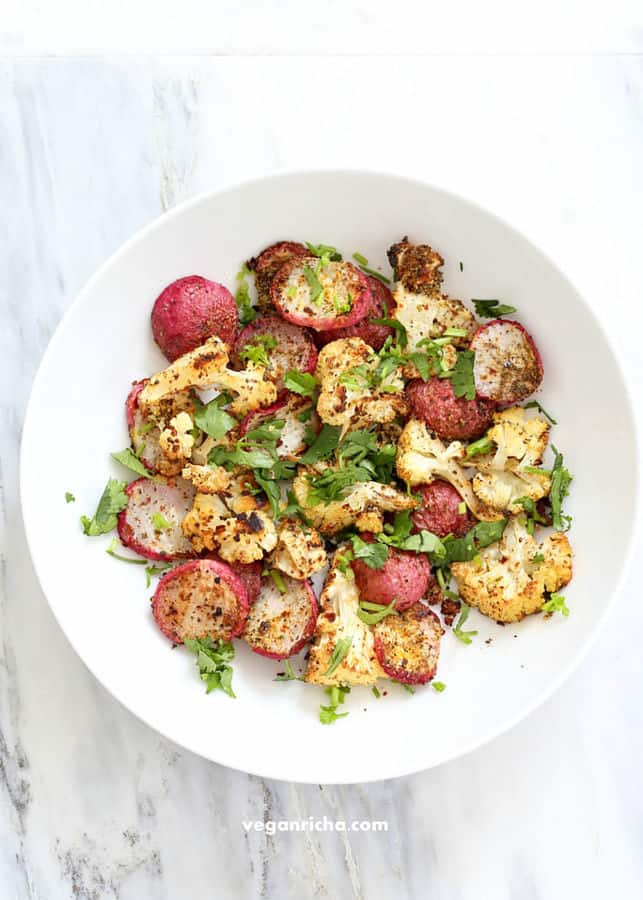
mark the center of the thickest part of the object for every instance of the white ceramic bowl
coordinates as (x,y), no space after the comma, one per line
(76,417)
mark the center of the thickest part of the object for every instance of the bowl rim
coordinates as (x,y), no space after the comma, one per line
(206,196)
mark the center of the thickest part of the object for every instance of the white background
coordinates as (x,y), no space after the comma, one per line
(532,115)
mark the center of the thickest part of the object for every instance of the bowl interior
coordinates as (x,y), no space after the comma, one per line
(272,729)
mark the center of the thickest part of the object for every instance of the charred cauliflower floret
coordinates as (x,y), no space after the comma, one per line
(338,620)
(507,475)
(362,504)
(300,552)
(512,578)
(420,305)
(421,458)
(349,396)
(226,517)
(206,367)
(175,441)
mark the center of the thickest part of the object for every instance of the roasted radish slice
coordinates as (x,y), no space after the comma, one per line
(296,417)
(404,577)
(199,599)
(282,345)
(191,310)
(372,334)
(249,573)
(507,366)
(283,617)
(322,296)
(144,435)
(266,264)
(407,646)
(150,524)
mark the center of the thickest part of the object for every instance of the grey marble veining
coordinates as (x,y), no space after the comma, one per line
(92,803)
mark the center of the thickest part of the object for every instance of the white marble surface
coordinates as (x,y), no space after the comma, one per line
(92,803)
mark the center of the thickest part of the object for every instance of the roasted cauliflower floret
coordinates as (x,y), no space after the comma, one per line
(339,603)
(175,441)
(512,578)
(206,367)
(420,305)
(506,475)
(226,517)
(421,458)
(348,397)
(362,504)
(300,551)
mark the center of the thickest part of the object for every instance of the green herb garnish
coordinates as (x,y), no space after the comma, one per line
(464,636)
(462,377)
(257,350)
(342,647)
(114,543)
(213,658)
(438,686)
(336,694)
(69,498)
(159,522)
(212,419)
(325,251)
(130,461)
(302,383)
(105,519)
(556,603)
(372,613)
(278,579)
(560,482)
(316,288)
(534,404)
(491,309)
(288,673)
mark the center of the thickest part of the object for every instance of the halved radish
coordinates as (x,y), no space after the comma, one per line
(144,435)
(146,533)
(297,415)
(374,335)
(199,599)
(189,311)
(279,624)
(323,297)
(507,366)
(294,348)
(407,646)
(266,264)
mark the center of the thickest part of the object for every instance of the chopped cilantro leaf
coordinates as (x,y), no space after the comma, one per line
(114,543)
(257,350)
(538,558)
(556,603)
(130,461)
(69,497)
(112,501)
(491,309)
(534,404)
(316,289)
(372,613)
(336,694)
(462,378)
(373,554)
(325,250)
(159,522)
(560,482)
(213,420)
(464,636)
(438,686)
(342,647)
(322,447)
(302,383)
(401,336)
(278,579)
(288,673)
(213,658)
(479,447)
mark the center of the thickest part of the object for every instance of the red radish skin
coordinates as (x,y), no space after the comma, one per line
(295,347)
(439,511)
(191,310)
(291,294)
(451,418)
(408,646)
(268,262)
(374,335)
(249,573)
(280,625)
(293,433)
(172,498)
(199,599)
(404,577)
(507,366)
